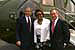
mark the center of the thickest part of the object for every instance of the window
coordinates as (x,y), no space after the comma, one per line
(48,2)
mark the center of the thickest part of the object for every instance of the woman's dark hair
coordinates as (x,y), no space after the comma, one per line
(38,10)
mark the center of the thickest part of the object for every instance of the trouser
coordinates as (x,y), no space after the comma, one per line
(27,48)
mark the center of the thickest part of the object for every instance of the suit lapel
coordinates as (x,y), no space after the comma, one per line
(57,25)
(25,19)
(51,29)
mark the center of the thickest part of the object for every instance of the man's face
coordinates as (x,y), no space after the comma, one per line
(54,14)
(27,11)
(39,15)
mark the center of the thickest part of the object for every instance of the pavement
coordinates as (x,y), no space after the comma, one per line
(7,46)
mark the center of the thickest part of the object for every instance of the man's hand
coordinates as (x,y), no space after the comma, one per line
(18,43)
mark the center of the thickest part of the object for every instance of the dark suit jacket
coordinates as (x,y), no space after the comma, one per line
(22,33)
(60,36)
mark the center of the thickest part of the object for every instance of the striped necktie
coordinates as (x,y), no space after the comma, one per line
(28,24)
(53,25)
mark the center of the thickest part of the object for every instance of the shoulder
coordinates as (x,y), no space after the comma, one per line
(20,19)
(63,22)
(35,21)
(46,20)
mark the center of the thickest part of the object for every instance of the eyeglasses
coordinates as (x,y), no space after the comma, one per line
(39,14)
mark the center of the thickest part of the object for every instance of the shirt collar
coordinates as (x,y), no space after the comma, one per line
(27,16)
(56,19)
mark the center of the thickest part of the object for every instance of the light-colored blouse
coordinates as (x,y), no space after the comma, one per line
(42,30)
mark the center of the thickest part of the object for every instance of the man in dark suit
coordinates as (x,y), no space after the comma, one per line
(59,32)
(24,29)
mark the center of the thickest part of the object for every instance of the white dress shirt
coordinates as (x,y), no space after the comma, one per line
(42,30)
(56,21)
(27,21)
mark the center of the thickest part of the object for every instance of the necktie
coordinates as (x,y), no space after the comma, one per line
(53,25)
(28,24)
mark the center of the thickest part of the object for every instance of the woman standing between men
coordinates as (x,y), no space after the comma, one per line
(41,29)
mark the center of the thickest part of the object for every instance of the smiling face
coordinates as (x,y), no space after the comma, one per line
(54,14)
(39,15)
(28,11)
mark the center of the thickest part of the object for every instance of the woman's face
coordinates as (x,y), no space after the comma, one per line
(39,15)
